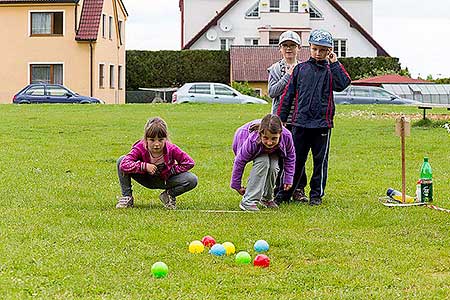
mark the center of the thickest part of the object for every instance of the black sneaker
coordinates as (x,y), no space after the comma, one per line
(299,195)
(315,201)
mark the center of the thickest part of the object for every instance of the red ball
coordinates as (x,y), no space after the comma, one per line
(261,260)
(208,241)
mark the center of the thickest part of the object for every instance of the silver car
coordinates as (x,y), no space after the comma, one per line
(369,95)
(210,92)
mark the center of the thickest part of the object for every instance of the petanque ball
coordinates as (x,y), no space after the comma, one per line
(208,241)
(243,258)
(159,269)
(261,246)
(196,247)
(229,248)
(218,250)
(261,260)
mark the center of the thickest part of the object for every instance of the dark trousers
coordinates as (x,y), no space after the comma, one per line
(279,183)
(318,141)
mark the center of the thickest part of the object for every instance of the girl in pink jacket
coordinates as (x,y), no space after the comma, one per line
(155,163)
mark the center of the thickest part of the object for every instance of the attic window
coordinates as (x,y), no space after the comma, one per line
(293,6)
(46,23)
(253,12)
(274,5)
(314,13)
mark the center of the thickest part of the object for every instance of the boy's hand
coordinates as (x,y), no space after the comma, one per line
(332,57)
(287,187)
(151,168)
(241,191)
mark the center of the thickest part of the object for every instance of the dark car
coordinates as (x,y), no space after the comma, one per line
(369,95)
(50,93)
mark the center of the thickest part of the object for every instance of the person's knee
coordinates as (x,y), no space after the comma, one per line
(119,160)
(192,180)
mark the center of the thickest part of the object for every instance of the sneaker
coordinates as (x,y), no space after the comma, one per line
(299,195)
(125,201)
(248,207)
(315,201)
(268,203)
(168,201)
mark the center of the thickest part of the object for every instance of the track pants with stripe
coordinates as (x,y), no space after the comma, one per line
(318,141)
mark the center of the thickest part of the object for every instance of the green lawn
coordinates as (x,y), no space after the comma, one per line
(62,238)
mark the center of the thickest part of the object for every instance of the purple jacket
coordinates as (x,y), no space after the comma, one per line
(176,160)
(247,146)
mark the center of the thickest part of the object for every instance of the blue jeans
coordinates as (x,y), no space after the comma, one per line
(175,185)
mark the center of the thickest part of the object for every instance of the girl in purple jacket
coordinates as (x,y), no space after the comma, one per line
(155,163)
(263,142)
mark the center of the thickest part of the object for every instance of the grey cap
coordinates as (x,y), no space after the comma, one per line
(290,36)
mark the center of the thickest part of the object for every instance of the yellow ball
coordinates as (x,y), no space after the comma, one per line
(229,248)
(196,247)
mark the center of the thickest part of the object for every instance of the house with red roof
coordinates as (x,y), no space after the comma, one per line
(77,43)
(219,24)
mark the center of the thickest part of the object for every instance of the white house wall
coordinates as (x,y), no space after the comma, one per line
(246,28)
(197,13)
(361,11)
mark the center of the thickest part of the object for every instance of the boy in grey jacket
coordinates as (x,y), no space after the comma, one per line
(279,74)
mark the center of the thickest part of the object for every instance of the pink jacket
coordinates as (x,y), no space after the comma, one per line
(176,160)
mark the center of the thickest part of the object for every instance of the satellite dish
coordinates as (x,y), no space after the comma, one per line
(211,35)
(225,26)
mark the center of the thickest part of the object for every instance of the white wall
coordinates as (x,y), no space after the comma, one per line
(361,11)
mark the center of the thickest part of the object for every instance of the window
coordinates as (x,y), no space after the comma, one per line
(225,43)
(223,90)
(53,90)
(381,94)
(293,5)
(361,92)
(35,91)
(252,41)
(110,27)
(103,26)
(273,41)
(340,48)
(258,92)
(111,76)
(314,13)
(46,23)
(120,80)
(120,31)
(101,75)
(253,12)
(48,73)
(200,89)
(274,5)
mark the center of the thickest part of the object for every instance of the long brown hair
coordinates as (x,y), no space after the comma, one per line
(270,122)
(155,128)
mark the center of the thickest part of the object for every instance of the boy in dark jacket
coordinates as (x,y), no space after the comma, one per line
(311,89)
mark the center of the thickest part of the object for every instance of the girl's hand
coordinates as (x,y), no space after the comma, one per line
(241,191)
(151,168)
(287,187)
(290,69)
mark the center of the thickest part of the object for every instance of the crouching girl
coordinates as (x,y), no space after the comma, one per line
(263,142)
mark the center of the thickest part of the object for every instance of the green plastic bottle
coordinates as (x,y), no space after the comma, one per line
(426,185)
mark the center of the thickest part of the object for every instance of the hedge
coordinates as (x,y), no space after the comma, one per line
(363,67)
(174,68)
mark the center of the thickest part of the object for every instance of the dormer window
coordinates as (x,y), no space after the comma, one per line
(46,23)
(253,12)
(314,13)
(274,5)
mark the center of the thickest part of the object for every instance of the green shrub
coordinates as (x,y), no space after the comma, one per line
(174,68)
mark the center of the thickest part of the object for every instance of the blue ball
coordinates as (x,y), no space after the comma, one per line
(261,246)
(218,250)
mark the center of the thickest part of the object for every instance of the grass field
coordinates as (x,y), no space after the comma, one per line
(62,238)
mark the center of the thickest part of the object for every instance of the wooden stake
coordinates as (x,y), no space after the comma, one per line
(402,135)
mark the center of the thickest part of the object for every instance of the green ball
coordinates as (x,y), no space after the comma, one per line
(243,258)
(160,269)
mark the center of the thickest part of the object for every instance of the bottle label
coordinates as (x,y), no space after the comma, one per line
(426,190)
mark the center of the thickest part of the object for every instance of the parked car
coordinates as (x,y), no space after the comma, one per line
(210,92)
(50,93)
(369,95)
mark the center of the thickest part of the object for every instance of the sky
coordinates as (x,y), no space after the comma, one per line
(416,31)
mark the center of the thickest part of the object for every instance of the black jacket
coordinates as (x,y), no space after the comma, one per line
(311,87)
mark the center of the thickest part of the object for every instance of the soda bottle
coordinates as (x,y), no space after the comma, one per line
(426,185)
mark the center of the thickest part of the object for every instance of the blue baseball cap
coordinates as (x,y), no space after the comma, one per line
(321,37)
